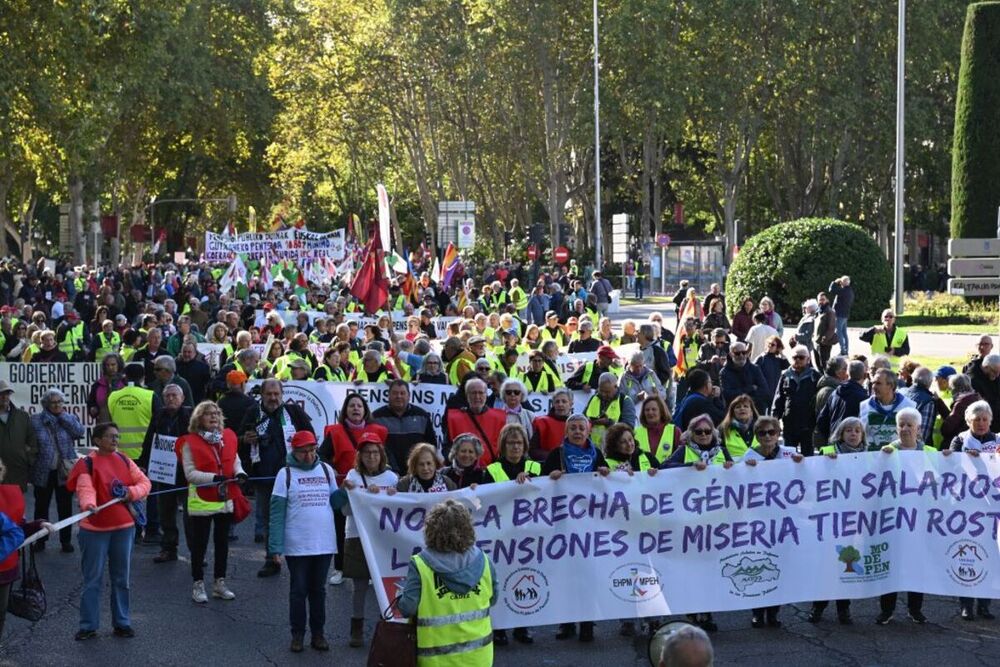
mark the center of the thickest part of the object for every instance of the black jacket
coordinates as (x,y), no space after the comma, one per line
(845,401)
(795,400)
(166,423)
(198,375)
(270,437)
(413,427)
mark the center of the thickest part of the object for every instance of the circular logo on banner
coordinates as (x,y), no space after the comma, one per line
(526,591)
(751,573)
(635,582)
(309,401)
(967,562)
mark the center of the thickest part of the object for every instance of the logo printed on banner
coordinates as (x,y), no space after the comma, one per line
(309,401)
(751,573)
(526,591)
(870,564)
(967,562)
(635,582)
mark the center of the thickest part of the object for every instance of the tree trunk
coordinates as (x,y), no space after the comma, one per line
(5,186)
(24,227)
(76,235)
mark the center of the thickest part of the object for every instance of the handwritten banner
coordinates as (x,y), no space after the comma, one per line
(294,244)
(589,548)
(163,459)
(74,380)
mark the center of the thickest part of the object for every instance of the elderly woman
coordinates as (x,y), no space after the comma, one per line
(208,454)
(702,446)
(423,472)
(716,318)
(112,378)
(548,430)
(57,432)
(977,439)
(656,434)
(908,439)
(106,536)
(963,396)
(302,530)
(464,469)
(449,588)
(608,406)
(605,334)
(330,370)
(370,474)
(639,382)
(771,316)
(513,394)
(432,370)
(48,351)
(621,453)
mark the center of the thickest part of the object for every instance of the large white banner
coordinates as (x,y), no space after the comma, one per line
(294,244)
(322,400)
(590,548)
(31,381)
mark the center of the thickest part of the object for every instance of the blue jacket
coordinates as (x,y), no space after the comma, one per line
(749,380)
(458,572)
(11,536)
(57,437)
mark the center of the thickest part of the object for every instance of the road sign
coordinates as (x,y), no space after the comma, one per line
(663,240)
(532,252)
(974,247)
(561,254)
(974,268)
(619,238)
(974,286)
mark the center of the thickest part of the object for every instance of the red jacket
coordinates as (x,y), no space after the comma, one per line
(211,459)
(11,504)
(460,421)
(549,433)
(343,445)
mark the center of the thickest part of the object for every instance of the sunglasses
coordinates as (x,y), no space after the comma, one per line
(738,354)
(768,432)
(702,431)
(889,317)
(512,392)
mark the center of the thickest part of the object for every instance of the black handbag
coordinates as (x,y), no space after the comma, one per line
(27,601)
(393,644)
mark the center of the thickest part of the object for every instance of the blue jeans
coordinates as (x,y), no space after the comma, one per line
(842,334)
(115,547)
(308,581)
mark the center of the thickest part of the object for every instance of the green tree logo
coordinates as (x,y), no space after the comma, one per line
(849,555)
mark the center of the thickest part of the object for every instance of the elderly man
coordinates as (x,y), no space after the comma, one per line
(18,444)
(195,371)
(688,646)
(169,423)
(713,354)
(408,425)
(983,347)
(183,331)
(795,401)
(888,339)
(986,382)
(588,375)
(739,376)
(878,413)
(478,419)
(608,406)
(586,342)
(372,369)
(164,373)
(920,393)
(246,362)
(57,432)
(266,437)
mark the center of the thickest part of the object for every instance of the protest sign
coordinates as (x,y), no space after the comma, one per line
(294,244)
(31,381)
(586,548)
(163,459)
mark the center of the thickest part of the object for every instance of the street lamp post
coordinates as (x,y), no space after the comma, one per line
(900,153)
(153,201)
(597,149)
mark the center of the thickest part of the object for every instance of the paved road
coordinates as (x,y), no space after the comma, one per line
(252,630)
(951,346)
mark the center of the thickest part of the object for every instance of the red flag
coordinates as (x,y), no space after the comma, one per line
(371,286)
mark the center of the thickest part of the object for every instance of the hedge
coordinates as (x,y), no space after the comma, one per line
(975,171)
(794,261)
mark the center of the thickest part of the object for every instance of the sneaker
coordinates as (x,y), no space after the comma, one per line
(220,591)
(337,578)
(198,593)
(883,618)
(84,635)
(917,617)
(270,569)
(126,632)
(968,615)
(165,557)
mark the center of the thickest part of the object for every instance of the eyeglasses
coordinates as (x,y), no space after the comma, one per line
(767,432)
(888,317)
(738,354)
(702,431)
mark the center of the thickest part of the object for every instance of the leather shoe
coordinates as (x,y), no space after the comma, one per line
(126,632)
(523,636)
(270,569)
(296,646)
(165,557)
(319,643)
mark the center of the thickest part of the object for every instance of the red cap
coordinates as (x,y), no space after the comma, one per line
(369,437)
(268,306)
(303,439)
(607,352)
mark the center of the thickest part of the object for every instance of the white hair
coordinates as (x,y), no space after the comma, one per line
(909,414)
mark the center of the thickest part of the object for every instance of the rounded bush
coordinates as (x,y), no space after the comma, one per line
(793,261)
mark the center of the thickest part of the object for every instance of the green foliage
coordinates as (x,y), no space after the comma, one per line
(793,261)
(945,308)
(849,555)
(976,166)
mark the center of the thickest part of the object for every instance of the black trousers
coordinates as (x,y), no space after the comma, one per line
(914,601)
(201,528)
(339,524)
(802,438)
(167,503)
(843,606)
(64,505)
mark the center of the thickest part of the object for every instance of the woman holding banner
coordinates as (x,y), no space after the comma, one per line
(464,471)
(656,433)
(423,472)
(737,427)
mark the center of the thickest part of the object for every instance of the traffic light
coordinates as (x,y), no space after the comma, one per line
(564,234)
(508,237)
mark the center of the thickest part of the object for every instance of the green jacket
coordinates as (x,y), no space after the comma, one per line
(18,447)
(174,342)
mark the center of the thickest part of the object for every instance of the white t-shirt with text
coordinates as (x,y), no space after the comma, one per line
(309,529)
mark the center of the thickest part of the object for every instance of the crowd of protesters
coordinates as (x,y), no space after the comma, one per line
(704,387)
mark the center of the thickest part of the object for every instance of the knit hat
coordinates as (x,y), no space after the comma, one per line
(303,439)
(235,377)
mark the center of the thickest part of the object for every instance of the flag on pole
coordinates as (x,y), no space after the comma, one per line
(397,263)
(449,265)
(383,216)
(265,275)
(235,275)
(301,286)
(371,286)
(252,223)
(436,271)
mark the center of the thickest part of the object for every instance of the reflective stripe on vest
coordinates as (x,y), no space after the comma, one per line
(880,345)
(644,464)
(73,340)
(453,629)
(131,408)
(666,440)
(500,475)
(612,412)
